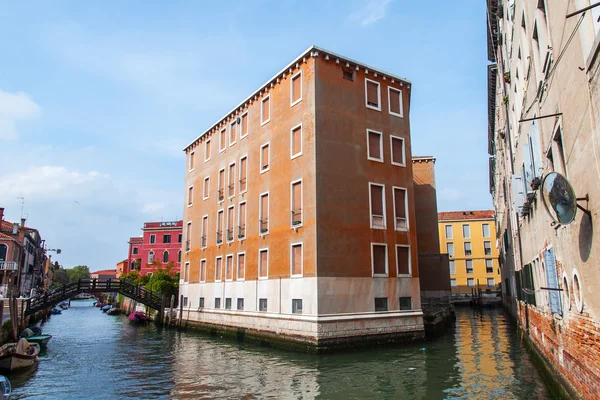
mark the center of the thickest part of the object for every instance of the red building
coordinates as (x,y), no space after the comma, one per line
(160,241)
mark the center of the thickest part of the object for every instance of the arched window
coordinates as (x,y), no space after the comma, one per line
(3,252)
(577,291)
(566,293)
(150,257)
(179,256)
(166,257)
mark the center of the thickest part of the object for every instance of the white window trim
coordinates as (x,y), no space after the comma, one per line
(262,121)
(451,232)
(371,207)
(206,145)
(204,233)
(567,291)
(392,151)
(578,304)
(453,249)
(292,226)
(240,222)
(222,266)
(260,213)
(405,207)
(186,268)
(483,231)
(206,188)
(150,239)
(380,146)
(230,131)
(301,244)
(463,231)
(192,155)
(259,252)
(262,171)
(292,102)
(222,146)
(292,156)
(223,185)
(229,178)
(232,225)
(190,196)
(401,115)
(378,95)
(163,257)
(220,211)
(153,258)
(409,262)
(232,267)
(241,118)
(237,266)
(387,270)
(240,173)
(200,270)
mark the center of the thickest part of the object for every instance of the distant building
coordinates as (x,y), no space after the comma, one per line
(160,242)
(104,275)
(122,268)
(469,239)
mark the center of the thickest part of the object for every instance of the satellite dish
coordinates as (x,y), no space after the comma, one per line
(559,198)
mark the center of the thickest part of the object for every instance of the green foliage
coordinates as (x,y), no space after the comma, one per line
(78,272)
(61,278)
(164,280)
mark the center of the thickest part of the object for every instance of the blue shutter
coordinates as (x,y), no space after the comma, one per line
(527,167)
(552,277)
(518,192)
(536,150)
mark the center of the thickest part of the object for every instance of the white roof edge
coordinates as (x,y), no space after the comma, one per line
(294,61)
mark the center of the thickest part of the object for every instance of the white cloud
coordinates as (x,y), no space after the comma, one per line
(371,12)
(13,107)
(450,194)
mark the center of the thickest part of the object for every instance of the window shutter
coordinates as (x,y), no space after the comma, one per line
(552,277)
(378,259)
(296,89)
(244,124)
(535,148)
(230,219)
(395,101)
(265,210)
(241,266)
(242,219)
(263,263)
(243,174)
(372,98)
(374,145)
(297,260)
(233,133)
(265,157)
(223,142)
(397,151)
(296,140)
(297,196)
(377,200)
(400,203)
(265,109)
(403,260)
(220,222)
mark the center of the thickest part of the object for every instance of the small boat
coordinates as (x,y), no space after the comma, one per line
(18,355)
(83,296)
(42,340)
(114,311)
(138,317)
(100,304)
(56,311)
(106,308)
(64,305)
(5,387)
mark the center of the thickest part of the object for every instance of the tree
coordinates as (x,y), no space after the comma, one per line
(78,272)
(164,280)
(61,278)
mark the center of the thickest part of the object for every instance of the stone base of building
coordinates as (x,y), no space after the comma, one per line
(310,333)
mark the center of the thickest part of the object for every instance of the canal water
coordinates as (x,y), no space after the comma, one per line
(96,356)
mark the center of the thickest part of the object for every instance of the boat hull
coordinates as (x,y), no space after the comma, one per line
(13,361)
(42,340)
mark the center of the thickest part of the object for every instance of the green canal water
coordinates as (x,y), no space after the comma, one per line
(96,356)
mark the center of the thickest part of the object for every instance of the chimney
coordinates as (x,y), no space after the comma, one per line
(22,222)
(15,228)
(1,213)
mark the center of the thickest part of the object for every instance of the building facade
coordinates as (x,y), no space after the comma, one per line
(160,244)
(104,275)
(299,208)
(543,103)
(122,268)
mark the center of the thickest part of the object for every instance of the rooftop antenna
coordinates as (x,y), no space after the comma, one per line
(22,204)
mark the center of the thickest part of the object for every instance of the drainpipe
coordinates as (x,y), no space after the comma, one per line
(521,261)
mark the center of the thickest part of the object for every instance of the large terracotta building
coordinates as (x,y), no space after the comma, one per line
(161,242)
(299,208)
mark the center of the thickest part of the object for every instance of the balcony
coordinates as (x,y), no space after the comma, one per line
(8,266)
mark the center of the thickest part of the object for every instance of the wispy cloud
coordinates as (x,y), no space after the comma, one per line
(450,194)
(13,107)
(371,12)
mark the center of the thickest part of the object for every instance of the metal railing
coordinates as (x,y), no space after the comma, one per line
(8,265)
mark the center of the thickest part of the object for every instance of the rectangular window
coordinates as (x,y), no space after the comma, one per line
(374,145)
(222,140)
(296,306)
(491,282)
(207,150)
(190,195)
(397,150)
(466,231)
(203,270)
(377,205)
(395,101)
(192,160)
(231,180)
(242,221)
(372,95)
(296,141)
(486,230)
(244,128)
(296,89)
(264,158)
(233,128)
(185,302)
(381,304)
(241,266)
(204,237)
(218,269)
(348,74)
(264,214)
(229,267)
(265,110)
(403,260)
(219,226)
(206,188)
(379,259)
(467,248)
(450,249)
(487,248)
(449,232)
(179,238)
(263,263)
(188,236)
(201,302)
(217,302)
(262,305)
(405,303)
(166,238)
(230,224)
(296,260)
(489,266)
(220,184)
(243,174)
(469,266)
(228,303)
(135,250)
(186,273)
(152,239)
(452,267)
(240,304)
(296,206)
(470,282)
(453,282)
(400,206)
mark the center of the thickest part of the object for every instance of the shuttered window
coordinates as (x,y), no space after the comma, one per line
(207,150)
(188,236)
(401,220)
(203,271)
(244,127)
(397,144)
(204,231)
(192,159)
(403,260)
(296,141)
(221,183)
(552,279)
(265,110)
(373,94)
(374,146)
(229,267)
(264,214)
(190,195)
(296,88)
(264,158)
(377,206)
(222,140)
(297,259)
(220,227)
(395,99)
(206,188)
(263,263)
(219,269)
(230,223)
(297,203)
(233,128)
(243,174)
(379,254)
(486,230)
(242,221)
(241,266)
(231,181)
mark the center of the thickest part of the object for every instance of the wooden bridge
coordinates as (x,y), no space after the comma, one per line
(122,286)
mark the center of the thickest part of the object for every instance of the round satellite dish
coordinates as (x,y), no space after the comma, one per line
(559,198)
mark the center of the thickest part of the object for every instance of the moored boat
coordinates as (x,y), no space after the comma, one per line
(5,387)
(138,317)
(18,355)
(114,311)
(55,311)
(106,308)
(64,305)
(42,340)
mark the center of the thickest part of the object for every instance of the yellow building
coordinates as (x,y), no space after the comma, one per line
(469,239)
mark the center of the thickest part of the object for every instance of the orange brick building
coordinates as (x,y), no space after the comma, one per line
(299,212)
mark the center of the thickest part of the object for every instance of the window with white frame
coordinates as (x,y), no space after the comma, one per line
(241,266)
(233,128)
(204,235)
(450,249)
(448,229)
(379,260)
(186,272)
(374,145)
(134,251)
(229,267)
(203,270)
(296,206)
(487,248)
(228,303)
(381,304)
(296,259)
(470,282)
(452,264)
(296,89)
(491,282)
(263,263)
(466,231)
(150,257)
(469,266)
(222,140)
(190,196)
(400,207)
(217,302)
(453,282)
(230,223)
(188,236)
(263,220)
(296,141)
(201,302)
(262,305)
(207,150)
(244,125)
(243,174)
(372,94)
(219,269)
(397,151)
(242,221)
(231,180)
(152,239)
(395,101)
(264,158)
(192,160)
(485,230)
(240,304)
(405,303)
(377,205)
(220,185)
(489,266)
(403,260)
(296,306)
(265,110)
(165,256)
(468,249)
(206,188)
(219,227)
(179,257)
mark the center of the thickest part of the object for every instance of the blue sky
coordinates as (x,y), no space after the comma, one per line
(98,99)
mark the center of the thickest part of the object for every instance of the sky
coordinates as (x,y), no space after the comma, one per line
(98,99)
